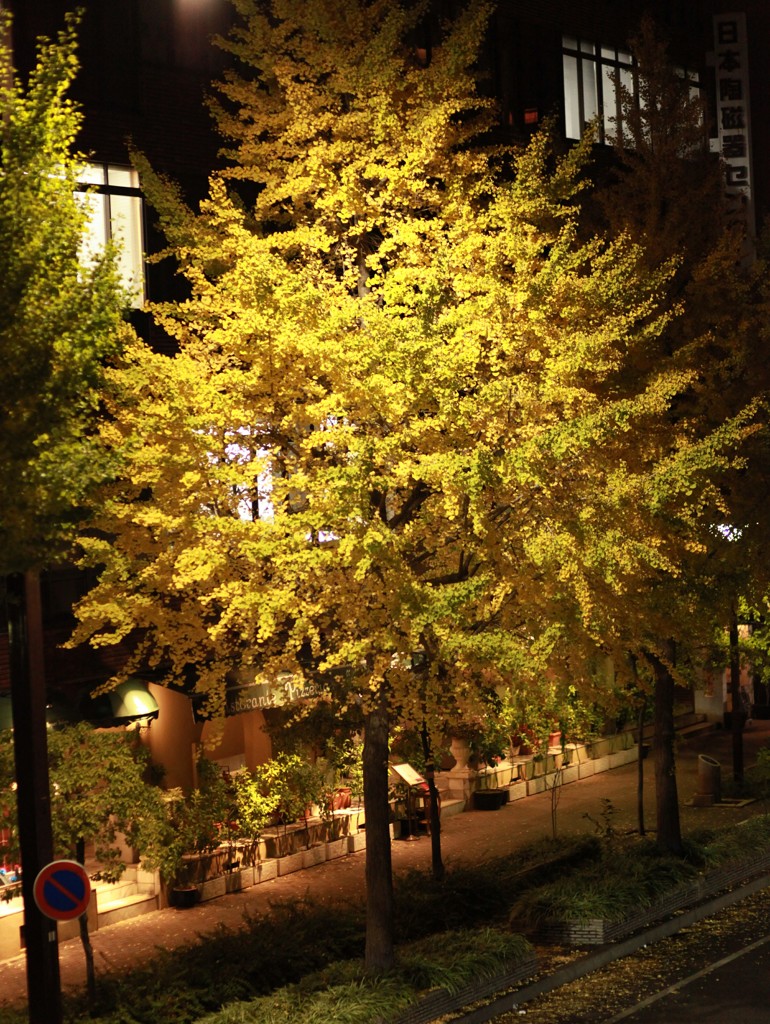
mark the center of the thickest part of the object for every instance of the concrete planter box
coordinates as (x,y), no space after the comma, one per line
(621,757)
(315,855)
(576,753)
(536,785)
(288,865)
(570,774)
(357,842)
(246,876)
(517,790)
(212,888)
(601,764)
(496,776)
(601,747)
(265,871)
(337,848)
(586,770)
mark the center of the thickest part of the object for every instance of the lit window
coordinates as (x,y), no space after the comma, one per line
(115,212)
(593,76)
(595,79)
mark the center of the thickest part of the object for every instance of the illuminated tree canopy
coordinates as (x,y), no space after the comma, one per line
(416,407)
(59,318)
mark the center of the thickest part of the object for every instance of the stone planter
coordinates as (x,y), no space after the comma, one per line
(601,747)
(293,862)
(337,848)
(315,855)
(265,871)
(576,753)
(357,842)
(213,888)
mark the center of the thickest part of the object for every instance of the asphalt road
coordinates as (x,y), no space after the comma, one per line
(714,972)
(733,990)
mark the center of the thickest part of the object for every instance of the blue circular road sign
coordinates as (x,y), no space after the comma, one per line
(62,890)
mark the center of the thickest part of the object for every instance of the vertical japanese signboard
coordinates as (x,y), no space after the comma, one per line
(733,116)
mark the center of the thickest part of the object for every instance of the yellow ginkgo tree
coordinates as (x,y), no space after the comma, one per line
(399,397)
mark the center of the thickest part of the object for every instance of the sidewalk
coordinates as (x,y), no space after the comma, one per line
(470,837)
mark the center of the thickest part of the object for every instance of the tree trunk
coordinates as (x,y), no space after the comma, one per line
(669,837)
(378,957)
(85,939)
(738,716)
(437,864)
(640,767)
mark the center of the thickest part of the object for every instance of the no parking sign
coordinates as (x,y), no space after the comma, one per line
(62,890)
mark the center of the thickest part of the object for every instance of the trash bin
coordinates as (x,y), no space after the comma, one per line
(709,777)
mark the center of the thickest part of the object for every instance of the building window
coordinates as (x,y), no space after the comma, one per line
(115,212)
(594,78)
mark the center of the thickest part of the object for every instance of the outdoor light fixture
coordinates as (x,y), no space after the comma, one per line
(130,701)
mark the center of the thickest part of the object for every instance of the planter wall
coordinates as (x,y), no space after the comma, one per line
(441,1003)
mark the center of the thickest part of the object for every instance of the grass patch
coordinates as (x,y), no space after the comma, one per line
(631,874)
(342,995)
(483,893)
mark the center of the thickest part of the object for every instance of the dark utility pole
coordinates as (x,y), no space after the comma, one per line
(25,636)
(738,716)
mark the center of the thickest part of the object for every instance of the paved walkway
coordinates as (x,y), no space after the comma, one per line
(470,837)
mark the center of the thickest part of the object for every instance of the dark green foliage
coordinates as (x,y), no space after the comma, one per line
(630,875)
(343,996)
(482,894)
(271,951)
(98,789)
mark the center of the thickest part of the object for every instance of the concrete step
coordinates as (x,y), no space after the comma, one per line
(109,892)
(688,723)
(696,729)
(450,807)
(125,907)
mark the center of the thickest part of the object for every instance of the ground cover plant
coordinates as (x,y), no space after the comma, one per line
(450,961)
(631,874)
